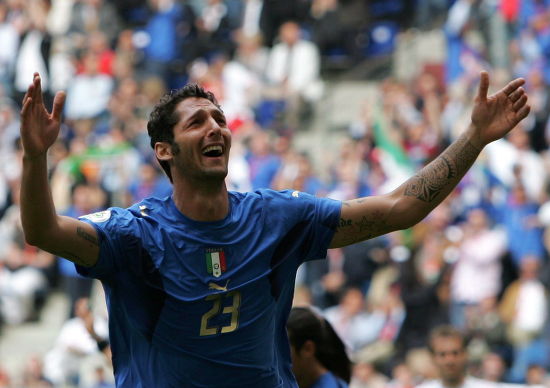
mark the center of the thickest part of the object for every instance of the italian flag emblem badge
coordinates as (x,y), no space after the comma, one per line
(215,262)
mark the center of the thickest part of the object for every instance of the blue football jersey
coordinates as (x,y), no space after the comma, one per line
(204,304)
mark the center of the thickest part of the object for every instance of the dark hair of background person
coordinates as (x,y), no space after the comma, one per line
(305,325)
(163,118)
(446,331)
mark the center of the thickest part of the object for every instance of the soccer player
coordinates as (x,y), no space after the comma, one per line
(319,358)
(199,284)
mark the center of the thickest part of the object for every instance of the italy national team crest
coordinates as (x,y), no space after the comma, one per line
(215,261)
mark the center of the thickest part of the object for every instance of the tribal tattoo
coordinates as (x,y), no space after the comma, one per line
(449,166)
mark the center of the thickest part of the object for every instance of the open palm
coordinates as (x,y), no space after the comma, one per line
(39,128)
(496,115)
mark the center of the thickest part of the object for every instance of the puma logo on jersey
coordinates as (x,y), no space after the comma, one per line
(217,287)
(142,209)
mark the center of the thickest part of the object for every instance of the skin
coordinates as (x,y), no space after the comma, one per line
(450,358)
(492,118)
(201,180)
(305,365)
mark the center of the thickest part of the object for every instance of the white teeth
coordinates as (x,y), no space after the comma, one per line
(217,148)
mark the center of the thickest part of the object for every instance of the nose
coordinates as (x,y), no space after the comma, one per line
(214,128)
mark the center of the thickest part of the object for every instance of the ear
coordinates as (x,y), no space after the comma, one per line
(163,151)
(308,349)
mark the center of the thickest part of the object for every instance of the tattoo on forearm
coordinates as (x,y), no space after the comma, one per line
(435,177)
(86,236)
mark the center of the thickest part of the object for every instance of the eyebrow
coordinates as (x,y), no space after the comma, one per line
(214,112)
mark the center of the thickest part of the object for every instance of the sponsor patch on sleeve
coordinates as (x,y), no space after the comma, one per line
(98,217)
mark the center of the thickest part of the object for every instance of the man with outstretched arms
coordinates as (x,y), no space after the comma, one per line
(199,284)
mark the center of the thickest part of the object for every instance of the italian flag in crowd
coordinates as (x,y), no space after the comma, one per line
(215,262)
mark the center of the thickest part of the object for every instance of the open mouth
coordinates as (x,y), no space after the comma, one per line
(213,151)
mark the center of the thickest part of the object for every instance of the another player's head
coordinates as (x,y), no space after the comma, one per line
(448,347)
(315,347)
(193,109)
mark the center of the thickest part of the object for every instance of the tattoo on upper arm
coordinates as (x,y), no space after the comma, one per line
(370,226)
(86,236)
(343,223)
(434,178)
(72,257)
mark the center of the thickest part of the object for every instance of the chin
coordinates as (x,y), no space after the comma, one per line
(215,174)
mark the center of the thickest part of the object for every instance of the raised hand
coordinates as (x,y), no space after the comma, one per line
(496,115)
(39,128)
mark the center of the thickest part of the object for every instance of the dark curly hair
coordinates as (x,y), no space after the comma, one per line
(163,118)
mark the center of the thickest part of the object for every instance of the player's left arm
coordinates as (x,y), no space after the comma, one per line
(492,118)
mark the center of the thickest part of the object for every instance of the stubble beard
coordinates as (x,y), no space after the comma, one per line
(201,174)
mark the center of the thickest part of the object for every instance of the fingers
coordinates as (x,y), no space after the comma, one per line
(37,95)
(26,106)
(483,86)
(30,91)
(523,112)
(58,103)
(516,94)
(520,102)
(513,86)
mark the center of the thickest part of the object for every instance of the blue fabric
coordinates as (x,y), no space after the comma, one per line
(328,380)
(162,28)
(173,324)
(522,239)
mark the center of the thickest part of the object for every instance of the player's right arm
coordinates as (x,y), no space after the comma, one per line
(63,236)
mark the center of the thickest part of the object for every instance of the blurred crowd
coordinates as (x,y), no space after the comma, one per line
(479,261)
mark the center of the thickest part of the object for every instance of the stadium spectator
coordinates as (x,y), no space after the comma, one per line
(519,219)
(33,374)
(167,40)
(297,85)
(91,16)
(365,375)
(352,321)
(89,92)
(23,269)
(524,306)
(478,269)
(319,358)
(9,35)
(34,48)
(77,339)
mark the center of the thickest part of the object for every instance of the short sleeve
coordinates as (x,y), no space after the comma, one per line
(119,242)
(312,220)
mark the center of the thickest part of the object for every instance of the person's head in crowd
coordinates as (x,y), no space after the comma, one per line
(316,349)
(519,138)
(37,11)
(352,301)
(536,375)
(518,194)
(529,267)
(493,367)
(448,348)
(289,33)
(90,63)
(166,115)
(402,375)
(476,221)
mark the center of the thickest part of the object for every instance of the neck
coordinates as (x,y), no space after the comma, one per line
(202,202)
(454,383)
(310,378)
